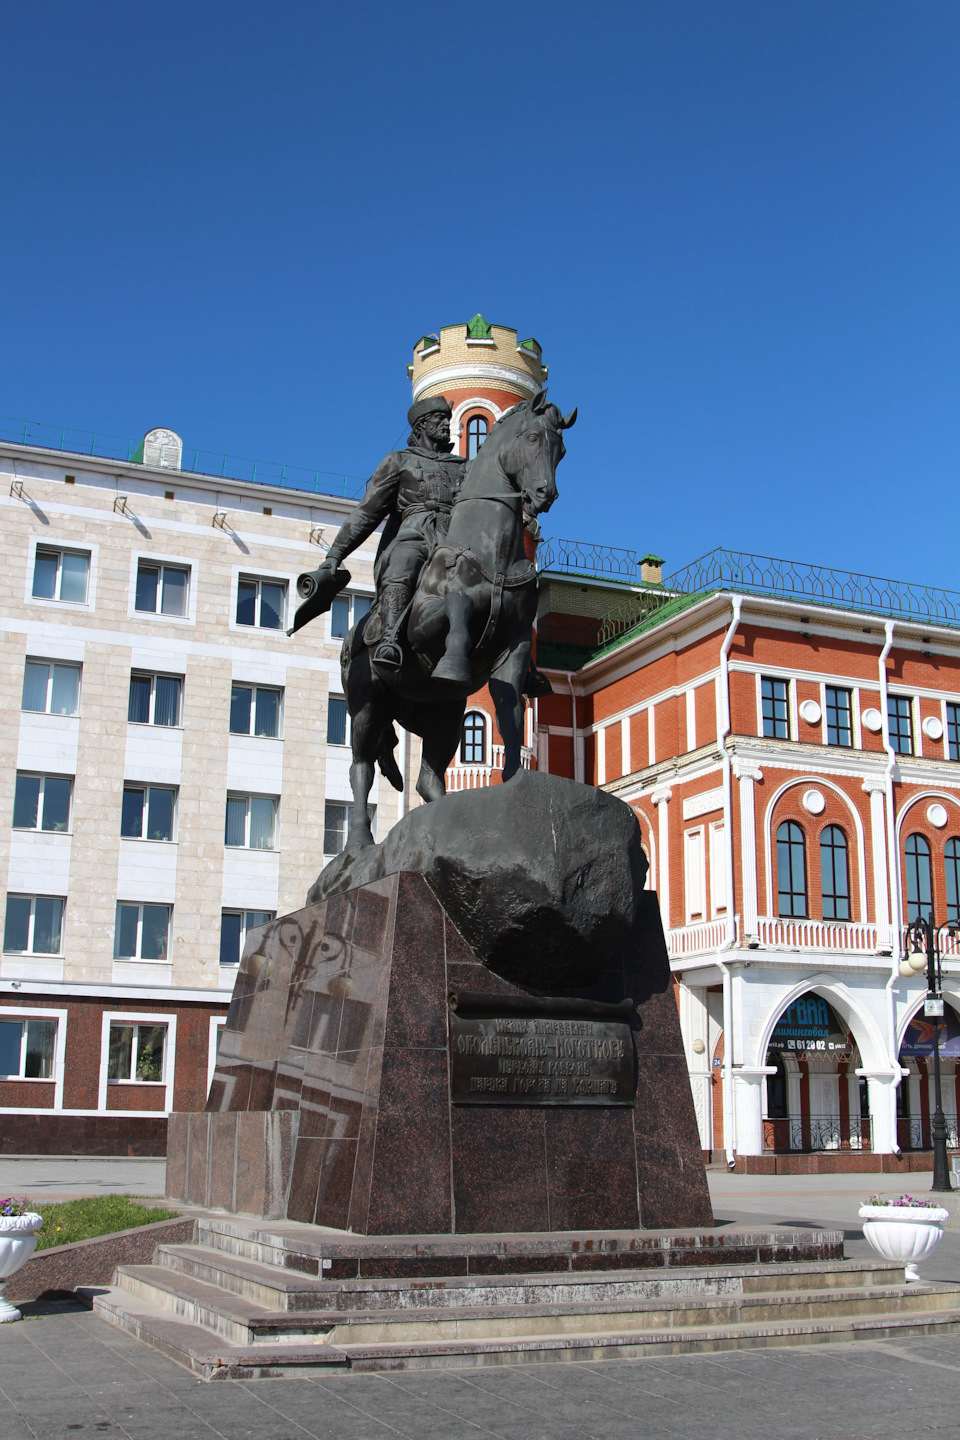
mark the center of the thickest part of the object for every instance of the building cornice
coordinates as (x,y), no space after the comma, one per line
(491,376)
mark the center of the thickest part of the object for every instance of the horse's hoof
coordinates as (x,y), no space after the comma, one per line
(453,669)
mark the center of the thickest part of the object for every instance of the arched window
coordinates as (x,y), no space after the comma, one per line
(919,882)
(477,427)
(473,739)
(834,874)
(791,869)
(951,863)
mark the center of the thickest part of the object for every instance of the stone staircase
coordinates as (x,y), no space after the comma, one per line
(255,1299)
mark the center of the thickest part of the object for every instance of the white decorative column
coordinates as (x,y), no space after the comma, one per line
(695,1029)
(748,1083)
(600,738)
(883,1108)
(626,764)
(661,797)
(875,787)
(748,775)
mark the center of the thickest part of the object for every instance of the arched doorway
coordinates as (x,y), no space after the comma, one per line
(814,1099)
(916,1094)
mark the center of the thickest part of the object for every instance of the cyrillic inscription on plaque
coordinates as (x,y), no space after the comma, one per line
(515,1059)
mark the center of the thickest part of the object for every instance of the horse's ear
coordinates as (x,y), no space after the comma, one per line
(569,420)
(539,402)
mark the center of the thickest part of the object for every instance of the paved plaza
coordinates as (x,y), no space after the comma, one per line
(64,1371)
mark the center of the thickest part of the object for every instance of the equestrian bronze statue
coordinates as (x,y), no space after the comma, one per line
(456,594)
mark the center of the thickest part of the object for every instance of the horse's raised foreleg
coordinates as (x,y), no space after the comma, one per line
(441,736)
(506,691)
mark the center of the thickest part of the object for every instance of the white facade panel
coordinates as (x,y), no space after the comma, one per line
(251,879)
(147,871)
(48,743)
(39,862)
(154,753)
(254,765)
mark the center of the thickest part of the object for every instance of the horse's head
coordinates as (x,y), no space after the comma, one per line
(531,449)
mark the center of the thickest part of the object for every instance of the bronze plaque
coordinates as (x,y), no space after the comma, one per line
(540,1060)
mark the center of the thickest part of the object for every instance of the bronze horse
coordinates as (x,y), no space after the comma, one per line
(470,621)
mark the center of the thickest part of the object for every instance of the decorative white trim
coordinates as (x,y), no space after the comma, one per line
(478,374)
(477,402)
(858,826)
(139,1017)
(36,1012)
(908,805)
(702,804)
(217,1022)
(813,802)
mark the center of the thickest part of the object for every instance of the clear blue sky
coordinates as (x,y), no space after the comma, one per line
(734,228)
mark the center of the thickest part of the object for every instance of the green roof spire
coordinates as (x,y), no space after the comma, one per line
(478,329)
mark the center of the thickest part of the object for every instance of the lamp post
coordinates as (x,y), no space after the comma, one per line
(922,952)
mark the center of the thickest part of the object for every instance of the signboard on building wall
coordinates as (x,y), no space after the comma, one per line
(920,1032)
(809,1025)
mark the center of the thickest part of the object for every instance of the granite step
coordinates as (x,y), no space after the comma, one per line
(243,1321)
(337,1254)
(211,1358)
(281,1289)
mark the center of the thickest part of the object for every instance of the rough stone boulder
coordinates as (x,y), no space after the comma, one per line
(542,876)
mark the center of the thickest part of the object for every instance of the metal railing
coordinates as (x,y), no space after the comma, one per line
(817,1132)
(198,462)
(581,558)
(914,1134)
(823,584)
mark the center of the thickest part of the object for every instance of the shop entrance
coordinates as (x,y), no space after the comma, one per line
(814,1099)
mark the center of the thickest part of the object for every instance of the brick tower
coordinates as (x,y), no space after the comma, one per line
(482,369)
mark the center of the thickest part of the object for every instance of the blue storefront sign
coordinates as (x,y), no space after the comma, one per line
(920,1032)
(809,1024)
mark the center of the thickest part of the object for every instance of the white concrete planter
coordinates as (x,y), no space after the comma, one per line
(904,1234)
(18,1240)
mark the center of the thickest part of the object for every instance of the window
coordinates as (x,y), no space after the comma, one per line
(834,874)
(34,924)
(27,1049)
(951,860)
(345,611)
(839,721)
(51,688)
(251,822)
(61,575)
(162,589)
(155,699)
(336,720)
(773,697)
(142,932)
(477,428)
(473,739)
(336,819)
(919,879)
(42,802)
(791,869)
(234,925)
(253,706)
(900,720)
(953,732)
(261,603)
(148,813)
(136,1052)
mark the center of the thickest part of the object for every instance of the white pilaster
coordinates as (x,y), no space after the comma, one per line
(661,797)
(747,776)
(878,841)
(748,1083)
(600,735)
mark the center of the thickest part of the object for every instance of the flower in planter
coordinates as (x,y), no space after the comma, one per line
(14,1205)
(912,1202)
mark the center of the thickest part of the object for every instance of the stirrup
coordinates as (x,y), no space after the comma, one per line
(388,654)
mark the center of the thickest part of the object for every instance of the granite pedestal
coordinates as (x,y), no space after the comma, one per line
(331,1101)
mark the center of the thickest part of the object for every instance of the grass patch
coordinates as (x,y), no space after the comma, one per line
(94,1215)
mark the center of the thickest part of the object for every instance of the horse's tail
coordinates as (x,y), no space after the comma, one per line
(389,768)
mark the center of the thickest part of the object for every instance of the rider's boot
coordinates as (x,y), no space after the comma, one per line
(392,604)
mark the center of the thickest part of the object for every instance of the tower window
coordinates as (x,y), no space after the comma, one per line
(477,429)
(473,739)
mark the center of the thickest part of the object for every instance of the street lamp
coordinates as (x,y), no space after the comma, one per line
(922,952)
